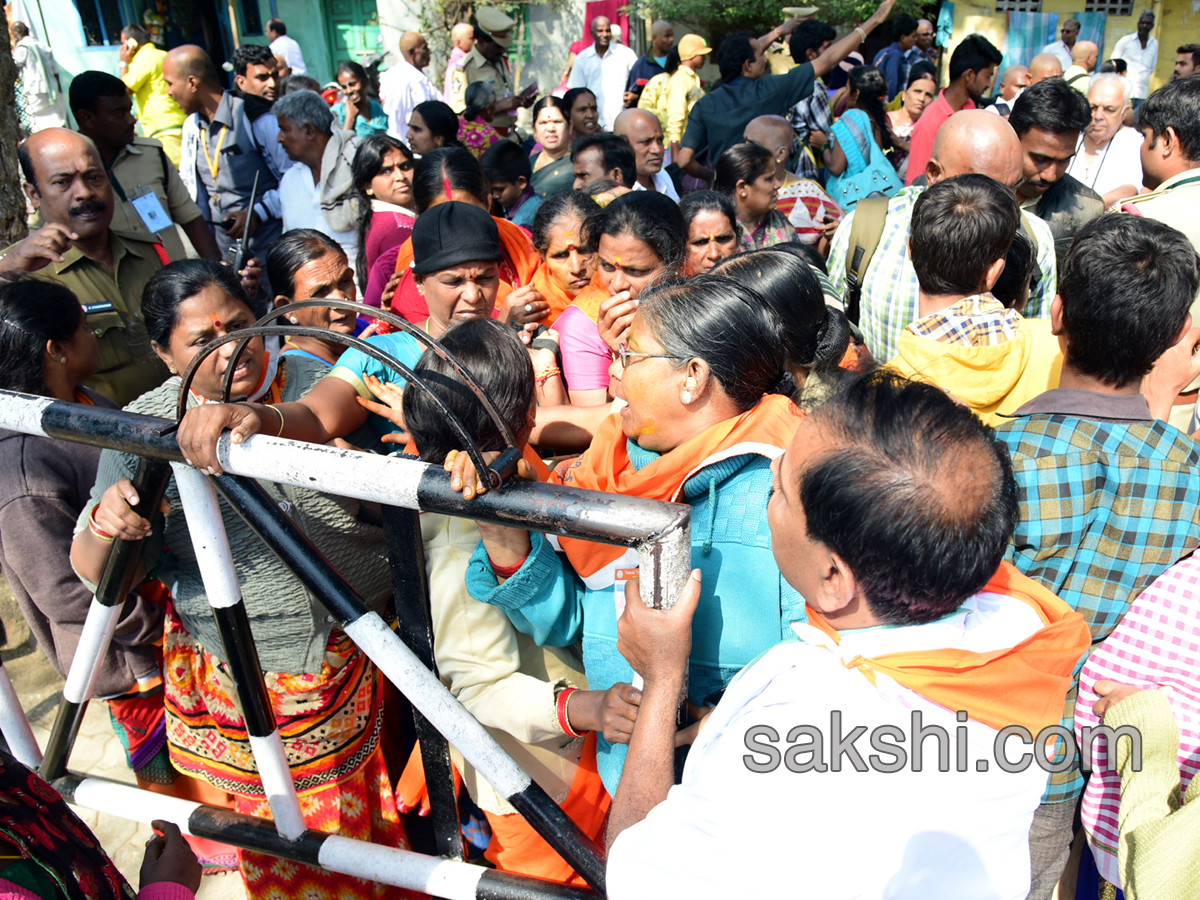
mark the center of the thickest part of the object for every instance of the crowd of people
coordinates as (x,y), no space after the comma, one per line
(923,366)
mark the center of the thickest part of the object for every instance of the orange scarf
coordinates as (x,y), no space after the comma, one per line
(553,293)
(765,429)
(1022,685)
(517,268)
(590,298)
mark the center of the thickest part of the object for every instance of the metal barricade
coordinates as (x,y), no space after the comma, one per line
(658,531)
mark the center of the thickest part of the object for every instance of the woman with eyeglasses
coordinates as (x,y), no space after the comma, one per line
(701,363)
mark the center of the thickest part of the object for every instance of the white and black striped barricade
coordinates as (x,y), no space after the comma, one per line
(124,561)
(414,624)
(448,878)
(659,532)
(14,726)
(215,560)
(405,550)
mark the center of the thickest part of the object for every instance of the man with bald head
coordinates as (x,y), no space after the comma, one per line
(971,141)
(1012,83)
(644,132)
(66,182)
(810,210)
(603,69)
(1064,50)
(222,154)
(662,37)
(1083,63)
(462,40)
(1043,66)
(405,84)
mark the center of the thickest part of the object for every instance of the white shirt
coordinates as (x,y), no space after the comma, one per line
(1139,62)
(1062,51)
(937,835)
(662,183)
(301,202)
(290,51)
(401,88)
(1118,163)
(606,77)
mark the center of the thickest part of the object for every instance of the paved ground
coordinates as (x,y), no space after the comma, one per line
(97,750)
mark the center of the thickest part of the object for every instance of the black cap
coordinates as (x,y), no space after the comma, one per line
(453,233)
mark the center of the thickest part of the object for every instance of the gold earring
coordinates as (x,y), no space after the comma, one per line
(370,192)
(63,360)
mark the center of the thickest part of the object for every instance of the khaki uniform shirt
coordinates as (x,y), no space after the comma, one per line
(1175,203)
(127,367)
(476,67)
(142,166)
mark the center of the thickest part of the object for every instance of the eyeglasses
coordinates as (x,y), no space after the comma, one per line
(625,354)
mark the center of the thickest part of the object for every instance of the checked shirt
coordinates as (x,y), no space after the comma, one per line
(890,290)
(1109,500)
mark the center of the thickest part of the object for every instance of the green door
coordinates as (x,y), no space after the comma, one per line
(351,29)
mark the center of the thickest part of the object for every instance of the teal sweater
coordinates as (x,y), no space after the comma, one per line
(745,606)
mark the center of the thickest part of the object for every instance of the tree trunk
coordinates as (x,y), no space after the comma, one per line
(12,198)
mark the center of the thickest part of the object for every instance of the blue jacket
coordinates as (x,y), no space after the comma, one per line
(745,606)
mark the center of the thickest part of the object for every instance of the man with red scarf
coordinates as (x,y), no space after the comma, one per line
(890,513)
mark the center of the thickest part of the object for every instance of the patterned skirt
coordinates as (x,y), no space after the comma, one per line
(329,723)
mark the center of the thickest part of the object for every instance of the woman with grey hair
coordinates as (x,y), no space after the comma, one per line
(475,130)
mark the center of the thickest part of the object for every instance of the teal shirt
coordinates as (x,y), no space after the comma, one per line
(745,606)
(353,366)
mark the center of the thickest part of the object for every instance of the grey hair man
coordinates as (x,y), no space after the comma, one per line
(318,192)
(1109,159)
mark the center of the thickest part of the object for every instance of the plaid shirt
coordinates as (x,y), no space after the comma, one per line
(890,290)
(808,115)
(1105,508)
(976,321)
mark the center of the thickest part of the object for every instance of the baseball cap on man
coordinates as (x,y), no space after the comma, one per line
(452,233)
(496,26)
(691,45)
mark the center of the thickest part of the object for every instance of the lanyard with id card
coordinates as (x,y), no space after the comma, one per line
(150,210)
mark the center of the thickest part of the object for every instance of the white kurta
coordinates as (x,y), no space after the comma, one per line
(606,77)
(301,202)
(727,831)
(401,88)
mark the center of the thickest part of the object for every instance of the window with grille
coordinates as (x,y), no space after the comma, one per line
(1034,6)
(1112,7)
(101,21)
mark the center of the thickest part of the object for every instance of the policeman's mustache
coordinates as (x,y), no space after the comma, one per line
(88,206)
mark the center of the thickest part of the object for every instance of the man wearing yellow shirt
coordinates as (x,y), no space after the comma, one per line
(683,90)
(141,70)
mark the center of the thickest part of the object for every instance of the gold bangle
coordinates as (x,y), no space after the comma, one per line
(279,412)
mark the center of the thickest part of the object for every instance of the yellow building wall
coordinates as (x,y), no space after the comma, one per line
(1176,23)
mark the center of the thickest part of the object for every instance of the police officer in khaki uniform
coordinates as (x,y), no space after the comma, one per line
(106,270)
(487,62)
(149,196)
(1171,168)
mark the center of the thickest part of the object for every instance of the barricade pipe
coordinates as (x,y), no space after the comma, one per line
(420,685)
(451,879)
(215,560)
(124,559)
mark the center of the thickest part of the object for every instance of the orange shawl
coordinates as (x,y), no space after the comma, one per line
(517,268)
(765,429)
(1022,685)
(554,294)
(590,298)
